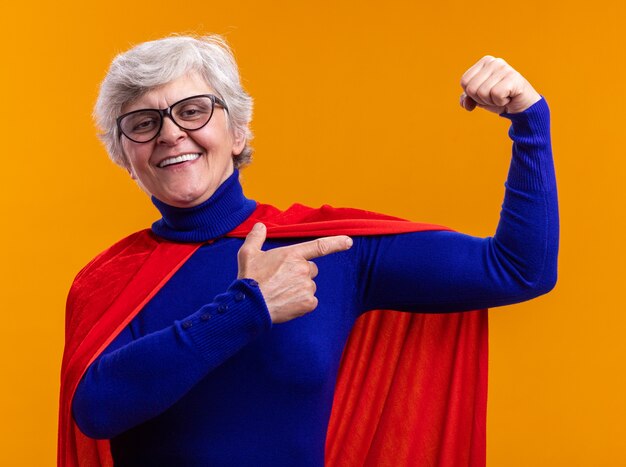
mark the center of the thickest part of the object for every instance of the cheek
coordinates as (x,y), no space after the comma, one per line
(136,155)
(137,161)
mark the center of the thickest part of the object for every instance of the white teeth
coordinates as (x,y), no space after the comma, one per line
(178,159)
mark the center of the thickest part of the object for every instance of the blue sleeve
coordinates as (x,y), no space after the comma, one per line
(448,271)
(125,385)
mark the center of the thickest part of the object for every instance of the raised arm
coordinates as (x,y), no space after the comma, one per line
(448,271)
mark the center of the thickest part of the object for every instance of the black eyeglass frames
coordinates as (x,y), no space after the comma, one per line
(189,114)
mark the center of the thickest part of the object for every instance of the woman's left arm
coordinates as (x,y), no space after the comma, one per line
(448,271)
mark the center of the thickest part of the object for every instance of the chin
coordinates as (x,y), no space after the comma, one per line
(189,200)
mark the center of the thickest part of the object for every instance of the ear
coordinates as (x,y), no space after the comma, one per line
(239,142)
(131,172)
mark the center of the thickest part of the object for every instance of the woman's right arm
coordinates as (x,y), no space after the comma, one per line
(134,380)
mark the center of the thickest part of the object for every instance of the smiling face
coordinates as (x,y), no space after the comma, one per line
(203,158)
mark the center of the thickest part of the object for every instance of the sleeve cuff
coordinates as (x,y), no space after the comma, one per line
(532,168)
(231,321)
(535,120)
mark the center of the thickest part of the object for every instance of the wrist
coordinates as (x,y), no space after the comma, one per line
(530,99)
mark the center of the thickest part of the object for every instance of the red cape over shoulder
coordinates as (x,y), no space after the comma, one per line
(412,388)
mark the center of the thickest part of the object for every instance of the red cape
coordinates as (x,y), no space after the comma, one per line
(411,390)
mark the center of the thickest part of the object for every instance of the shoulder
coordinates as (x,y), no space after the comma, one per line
(303,221)
(138,243)
(107,274)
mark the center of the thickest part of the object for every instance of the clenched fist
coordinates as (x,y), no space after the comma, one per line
(285,275)
(492,84)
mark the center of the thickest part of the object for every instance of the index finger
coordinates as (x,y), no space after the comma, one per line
(321,246)
(474,69)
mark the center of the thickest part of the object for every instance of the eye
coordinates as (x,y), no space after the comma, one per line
(192,110)
(189,113)
(141,122)
(146,124)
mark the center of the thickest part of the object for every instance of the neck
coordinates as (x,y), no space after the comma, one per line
(221,213)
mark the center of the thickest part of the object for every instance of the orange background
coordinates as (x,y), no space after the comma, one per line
(356,105)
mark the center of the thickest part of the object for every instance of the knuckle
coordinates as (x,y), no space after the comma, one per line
(515,75)
(483,92)
(243,252)
(507,71)
(506,65)
(471,90)
(495,96)
(288,256)
(301,268)
(322,247)
(311,302)
(498,95)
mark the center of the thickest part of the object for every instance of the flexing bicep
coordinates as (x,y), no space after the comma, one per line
(448,271)
(437,272)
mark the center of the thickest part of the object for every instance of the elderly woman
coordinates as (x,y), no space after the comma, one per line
(215,338)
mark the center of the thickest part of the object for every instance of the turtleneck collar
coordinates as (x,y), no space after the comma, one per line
(218,215)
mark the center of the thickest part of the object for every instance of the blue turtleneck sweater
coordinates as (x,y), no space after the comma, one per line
(201,377)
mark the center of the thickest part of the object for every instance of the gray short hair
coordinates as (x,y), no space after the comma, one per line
(155,63)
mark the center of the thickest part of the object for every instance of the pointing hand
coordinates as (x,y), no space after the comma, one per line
(285,275)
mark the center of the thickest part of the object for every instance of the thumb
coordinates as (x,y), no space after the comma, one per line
(250,248)
(255,239)
(467,102)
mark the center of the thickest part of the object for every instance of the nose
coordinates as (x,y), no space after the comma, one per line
(170,133)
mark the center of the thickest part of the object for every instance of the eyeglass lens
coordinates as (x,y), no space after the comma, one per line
(188,114)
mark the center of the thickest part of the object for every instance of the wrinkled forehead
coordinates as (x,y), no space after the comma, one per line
(163,96)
